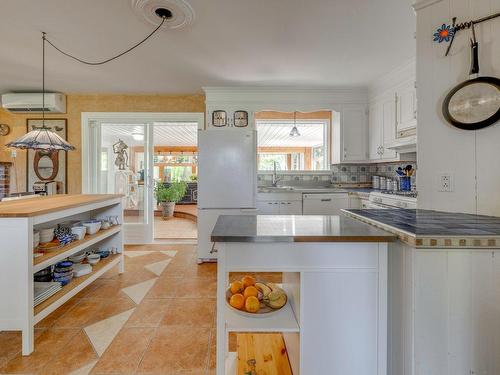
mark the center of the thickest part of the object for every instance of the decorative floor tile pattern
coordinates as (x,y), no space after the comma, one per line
(156,318)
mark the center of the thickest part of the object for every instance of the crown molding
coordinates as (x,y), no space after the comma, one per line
(419,5)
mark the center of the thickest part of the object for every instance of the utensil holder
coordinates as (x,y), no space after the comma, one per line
(405,183)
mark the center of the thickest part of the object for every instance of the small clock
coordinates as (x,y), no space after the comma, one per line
(240,119)
(219,118)
(4,129)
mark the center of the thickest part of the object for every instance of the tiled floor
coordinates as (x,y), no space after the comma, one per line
(156,318)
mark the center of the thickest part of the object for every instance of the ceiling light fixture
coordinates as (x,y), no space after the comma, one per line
(42,138)
(294,132)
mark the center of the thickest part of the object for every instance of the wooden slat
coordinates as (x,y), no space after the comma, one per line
(44,205)
(74,283)
(267,349)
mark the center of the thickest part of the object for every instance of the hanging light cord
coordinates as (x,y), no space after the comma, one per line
(44,37)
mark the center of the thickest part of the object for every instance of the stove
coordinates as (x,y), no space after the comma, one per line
(393,199)
(410,194)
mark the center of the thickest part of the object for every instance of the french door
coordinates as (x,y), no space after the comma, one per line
(121,163)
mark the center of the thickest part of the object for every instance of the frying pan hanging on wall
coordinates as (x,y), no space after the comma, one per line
(475,103)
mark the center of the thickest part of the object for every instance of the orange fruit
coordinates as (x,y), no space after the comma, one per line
(237,301)
(252,304)
(250,291)
(248,281)
(236,287)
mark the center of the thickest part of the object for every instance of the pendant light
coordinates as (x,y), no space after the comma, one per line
(42,138)
(294,132)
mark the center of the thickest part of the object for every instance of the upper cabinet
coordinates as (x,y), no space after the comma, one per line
(406,108)
(350,134)
(393,115)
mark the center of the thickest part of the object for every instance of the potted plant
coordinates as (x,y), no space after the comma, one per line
(167,197)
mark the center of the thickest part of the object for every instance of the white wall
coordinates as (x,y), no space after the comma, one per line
(472,157)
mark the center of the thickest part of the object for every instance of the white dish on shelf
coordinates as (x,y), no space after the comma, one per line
(93,258)
(79,231)
(80,270)
(92,226)
(77,258)
(46,235)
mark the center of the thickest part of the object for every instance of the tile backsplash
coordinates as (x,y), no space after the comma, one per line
(341,173)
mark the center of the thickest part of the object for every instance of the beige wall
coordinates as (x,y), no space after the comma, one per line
(76,104)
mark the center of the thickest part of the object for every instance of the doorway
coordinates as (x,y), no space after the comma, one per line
(130,154)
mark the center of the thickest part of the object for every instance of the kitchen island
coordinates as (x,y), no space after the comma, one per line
(335,274)
(444,291)
(19,219)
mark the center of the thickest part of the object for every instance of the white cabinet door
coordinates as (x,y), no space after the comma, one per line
(406,107)
(354,133)
(290,208)
(354,202)
(268,207)
(375,124)
(348,312)
(388,127)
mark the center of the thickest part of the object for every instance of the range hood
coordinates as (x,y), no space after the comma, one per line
(402,145)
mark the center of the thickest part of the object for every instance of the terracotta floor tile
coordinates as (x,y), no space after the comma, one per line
(177,349)
(10,344)
(113,307)
(125,352)
(149,313)
(197,312)
(79,315)
(191,270)
(165,288)
(47,344)
(197,288)
(76,353)
(147,259)
(51,318)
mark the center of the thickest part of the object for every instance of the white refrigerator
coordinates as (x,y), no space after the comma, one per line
(227,180)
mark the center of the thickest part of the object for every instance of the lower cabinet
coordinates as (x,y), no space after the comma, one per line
(279,207)
(444,312)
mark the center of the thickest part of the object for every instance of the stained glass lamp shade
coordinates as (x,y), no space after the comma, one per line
(41,139)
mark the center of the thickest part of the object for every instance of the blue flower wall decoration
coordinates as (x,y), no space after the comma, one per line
(444,33)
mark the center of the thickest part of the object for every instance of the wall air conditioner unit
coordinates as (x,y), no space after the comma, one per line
(32,102)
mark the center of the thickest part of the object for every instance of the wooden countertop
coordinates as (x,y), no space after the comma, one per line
(43,205)
(291,228)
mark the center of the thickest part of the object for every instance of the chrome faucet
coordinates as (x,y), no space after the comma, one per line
(276,179)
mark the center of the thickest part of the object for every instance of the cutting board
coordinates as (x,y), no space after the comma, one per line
(266,350)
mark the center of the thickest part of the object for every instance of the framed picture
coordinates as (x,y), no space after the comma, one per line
(240,119)
(44,165)
(219,118)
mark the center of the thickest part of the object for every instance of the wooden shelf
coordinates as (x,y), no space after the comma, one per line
(282,321)
(75,286)
(52,257)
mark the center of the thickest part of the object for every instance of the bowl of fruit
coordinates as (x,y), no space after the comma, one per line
(255,298)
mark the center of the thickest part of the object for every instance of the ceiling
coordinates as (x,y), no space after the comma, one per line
(164,134)
(231,42)
(277,134)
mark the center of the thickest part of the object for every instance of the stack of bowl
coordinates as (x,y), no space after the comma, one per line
(92,226)
(44,275)
(63,272)
(46,235)
(80,231)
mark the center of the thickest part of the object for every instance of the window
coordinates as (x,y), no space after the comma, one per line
(306,152)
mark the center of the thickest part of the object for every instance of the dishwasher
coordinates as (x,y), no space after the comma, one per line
(324,203)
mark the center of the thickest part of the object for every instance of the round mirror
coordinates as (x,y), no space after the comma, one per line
(46,165)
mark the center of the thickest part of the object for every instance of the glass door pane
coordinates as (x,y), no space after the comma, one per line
(123,168)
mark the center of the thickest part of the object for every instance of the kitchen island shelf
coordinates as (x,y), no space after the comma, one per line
(73,287)
(18,221)
(283,320)
(52,257)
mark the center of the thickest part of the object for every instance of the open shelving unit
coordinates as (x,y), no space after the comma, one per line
(17,264)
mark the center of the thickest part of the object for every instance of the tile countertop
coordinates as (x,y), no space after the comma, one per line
(295,228)
(427,228)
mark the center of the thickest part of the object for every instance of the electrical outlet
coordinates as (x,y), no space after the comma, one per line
(13,153)
(445,182)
